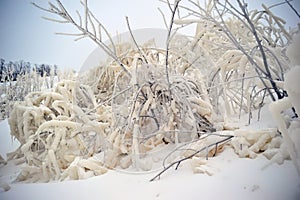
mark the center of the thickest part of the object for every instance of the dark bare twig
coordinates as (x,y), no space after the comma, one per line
(173,10)
(292,7)
(279,4)
(177,163)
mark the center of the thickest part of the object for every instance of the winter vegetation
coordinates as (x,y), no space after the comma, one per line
(17,79)
(149,108)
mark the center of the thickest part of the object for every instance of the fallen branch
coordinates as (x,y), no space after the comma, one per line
(177,163)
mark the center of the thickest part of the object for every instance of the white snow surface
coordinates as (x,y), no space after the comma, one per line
(234,178)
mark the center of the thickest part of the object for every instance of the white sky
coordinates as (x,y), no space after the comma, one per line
(25,35)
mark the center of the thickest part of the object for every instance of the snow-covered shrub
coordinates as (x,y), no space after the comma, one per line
(146,102)
(118,118)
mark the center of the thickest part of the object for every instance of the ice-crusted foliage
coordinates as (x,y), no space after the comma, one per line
(146,112)
(110,121)
(54,130)
(246,49)
(15,90)
(145,104)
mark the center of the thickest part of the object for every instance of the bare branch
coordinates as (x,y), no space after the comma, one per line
(56,20)
(69,34)
(134,41)
(79,16)
(85,15)
(177,163)
(169,39)
(92,25)
(292,7)
(44,9)
(279,4)
(62,12)
(99,32)
(53,7)
(164,17)
(105,30)
(258,69)
(246,16)
(79,38)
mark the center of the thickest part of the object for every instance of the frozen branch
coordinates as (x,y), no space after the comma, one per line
(134,41)
(56,20)
(258,40)
(173,10)
(88,19)
(164,17)
(178,162)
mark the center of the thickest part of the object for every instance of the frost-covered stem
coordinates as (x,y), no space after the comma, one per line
(261,105)
(134,41)
(242,95)
(135,145)
(85,15)
(100,25)
(164,17)
(168,40)
(278,62)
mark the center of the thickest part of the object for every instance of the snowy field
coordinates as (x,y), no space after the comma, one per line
(235,179)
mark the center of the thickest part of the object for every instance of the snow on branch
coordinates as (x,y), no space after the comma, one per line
(84,28)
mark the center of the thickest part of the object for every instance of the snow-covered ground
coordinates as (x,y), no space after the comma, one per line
(234,178)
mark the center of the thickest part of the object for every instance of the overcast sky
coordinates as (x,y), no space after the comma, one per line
(25,35)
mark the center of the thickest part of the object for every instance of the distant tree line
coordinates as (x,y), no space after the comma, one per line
(10,71)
